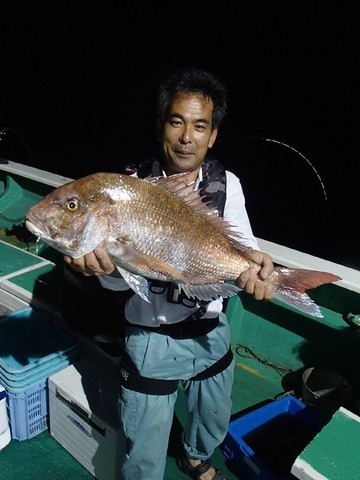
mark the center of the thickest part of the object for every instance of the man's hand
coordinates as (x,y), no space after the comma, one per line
(253,281)
(95,263)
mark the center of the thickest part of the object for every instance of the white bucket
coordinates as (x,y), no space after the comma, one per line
(5,435)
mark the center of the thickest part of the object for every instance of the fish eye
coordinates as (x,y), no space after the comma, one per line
(72,205)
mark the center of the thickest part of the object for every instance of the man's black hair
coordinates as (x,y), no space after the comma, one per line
(192,80)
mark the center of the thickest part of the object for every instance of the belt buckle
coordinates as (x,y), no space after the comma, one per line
(174,293)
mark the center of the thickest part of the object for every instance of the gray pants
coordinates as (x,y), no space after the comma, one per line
(147,419)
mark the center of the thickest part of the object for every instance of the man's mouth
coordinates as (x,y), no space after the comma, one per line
(183,153)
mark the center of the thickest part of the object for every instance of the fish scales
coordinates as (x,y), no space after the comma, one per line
(163,226)
(160,229)
(177,232)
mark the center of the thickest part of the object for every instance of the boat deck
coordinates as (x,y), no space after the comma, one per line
(272,346)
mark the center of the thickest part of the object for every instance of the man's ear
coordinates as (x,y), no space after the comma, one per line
(212,137)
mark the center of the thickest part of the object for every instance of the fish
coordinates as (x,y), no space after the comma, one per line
(159,229)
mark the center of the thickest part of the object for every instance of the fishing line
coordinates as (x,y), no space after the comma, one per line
(303,157)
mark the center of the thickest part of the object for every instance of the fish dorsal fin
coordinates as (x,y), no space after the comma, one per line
(175,184)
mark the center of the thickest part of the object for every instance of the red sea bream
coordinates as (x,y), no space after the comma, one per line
(158,229)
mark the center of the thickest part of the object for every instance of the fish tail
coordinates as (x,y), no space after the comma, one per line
(291,285)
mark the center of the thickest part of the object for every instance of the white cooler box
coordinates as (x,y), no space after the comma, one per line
(83,415)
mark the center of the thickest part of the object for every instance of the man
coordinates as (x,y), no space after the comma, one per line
(163,344)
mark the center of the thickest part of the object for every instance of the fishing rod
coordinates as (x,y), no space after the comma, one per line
(278,142)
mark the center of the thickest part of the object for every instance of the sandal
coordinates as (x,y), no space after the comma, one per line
(196,472)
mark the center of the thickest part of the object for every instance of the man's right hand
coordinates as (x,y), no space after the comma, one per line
(95,263)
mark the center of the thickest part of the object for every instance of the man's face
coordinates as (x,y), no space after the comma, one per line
(186,135)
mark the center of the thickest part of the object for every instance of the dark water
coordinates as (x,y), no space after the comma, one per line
(78,81)
(280,441)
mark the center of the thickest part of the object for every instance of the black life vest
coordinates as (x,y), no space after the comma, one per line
(212,187)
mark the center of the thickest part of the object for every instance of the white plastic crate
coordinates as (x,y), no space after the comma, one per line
(84,417)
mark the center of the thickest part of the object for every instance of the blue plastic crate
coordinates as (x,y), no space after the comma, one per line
(20,384)
(37,367)
(28,411)
(30,343)
(265,442)
(32,348)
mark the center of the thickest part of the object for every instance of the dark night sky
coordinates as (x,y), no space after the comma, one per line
(78,81)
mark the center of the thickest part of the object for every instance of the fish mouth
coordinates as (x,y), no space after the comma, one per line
(39,229)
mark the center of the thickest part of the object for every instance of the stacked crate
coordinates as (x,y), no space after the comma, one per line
(31,349)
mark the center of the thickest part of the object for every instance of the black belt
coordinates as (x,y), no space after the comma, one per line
(131,379)
(191,327)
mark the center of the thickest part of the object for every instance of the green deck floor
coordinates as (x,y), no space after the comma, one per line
(43,458)
(278,340)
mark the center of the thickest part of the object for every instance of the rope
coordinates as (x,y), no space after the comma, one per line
(250,354)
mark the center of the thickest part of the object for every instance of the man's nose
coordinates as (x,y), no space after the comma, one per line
(186,135)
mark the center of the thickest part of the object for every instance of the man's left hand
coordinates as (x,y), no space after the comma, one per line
(253,281)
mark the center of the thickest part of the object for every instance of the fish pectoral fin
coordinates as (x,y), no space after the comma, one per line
(146,265)
(136,282)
